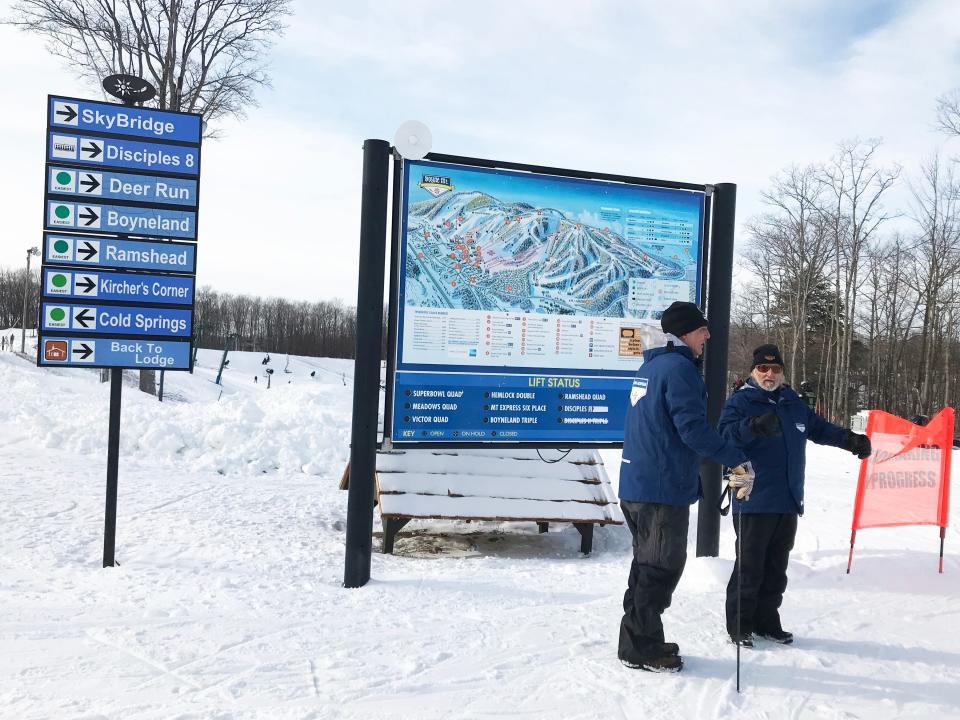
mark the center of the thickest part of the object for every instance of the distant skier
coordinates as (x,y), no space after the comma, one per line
(770,422)
(255,379)
(3,343)
(665,438)
(266,359)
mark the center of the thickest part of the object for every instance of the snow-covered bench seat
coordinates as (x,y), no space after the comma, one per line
(494,484)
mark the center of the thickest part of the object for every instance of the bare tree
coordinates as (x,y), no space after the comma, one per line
(937,213)
(856,186)
(795,242)
(204,56)
(948,112)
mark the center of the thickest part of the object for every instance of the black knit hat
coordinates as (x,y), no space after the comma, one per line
(681,318)
(768,354)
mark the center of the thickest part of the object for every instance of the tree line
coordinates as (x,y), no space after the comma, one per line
(322,328)
(863,299)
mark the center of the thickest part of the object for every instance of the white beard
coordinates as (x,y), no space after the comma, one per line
(768,385)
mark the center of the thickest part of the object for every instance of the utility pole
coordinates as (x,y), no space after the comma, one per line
(26,291)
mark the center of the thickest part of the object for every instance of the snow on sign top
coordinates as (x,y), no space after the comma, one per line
(117,119)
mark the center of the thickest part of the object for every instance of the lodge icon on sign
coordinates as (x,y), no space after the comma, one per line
(55,350)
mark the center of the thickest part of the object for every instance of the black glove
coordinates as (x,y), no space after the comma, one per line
(859,445)
(765,426)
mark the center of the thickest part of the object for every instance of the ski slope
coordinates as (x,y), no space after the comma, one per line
(227,600)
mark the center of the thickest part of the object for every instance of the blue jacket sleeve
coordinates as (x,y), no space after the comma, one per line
(685,402)
(824,432)
(734,425)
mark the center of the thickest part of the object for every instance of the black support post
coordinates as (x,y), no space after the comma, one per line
(392,526)
(113,462)
(718,314)
(366,385)
(586,537)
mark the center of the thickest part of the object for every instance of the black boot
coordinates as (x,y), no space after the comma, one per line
(745,639)
(665,663)
(776,635)
(768,627)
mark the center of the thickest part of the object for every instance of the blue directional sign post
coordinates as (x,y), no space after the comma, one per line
(121,199)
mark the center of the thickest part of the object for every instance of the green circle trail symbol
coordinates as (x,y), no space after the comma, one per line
(57,314)
(59,280)
(64,178)
(61,246)
(62,212)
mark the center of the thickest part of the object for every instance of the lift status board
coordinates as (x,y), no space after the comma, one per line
(526,300)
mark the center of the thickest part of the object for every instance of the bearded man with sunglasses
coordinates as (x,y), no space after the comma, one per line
(770,422)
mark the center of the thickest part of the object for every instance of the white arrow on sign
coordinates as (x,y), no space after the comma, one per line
(85,317)
(91,183)
(88,216)
(91,150)
(65,113)
(83,350)
(88,251)
(85,285)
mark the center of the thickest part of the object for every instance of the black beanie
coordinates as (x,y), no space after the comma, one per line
(681,318)
(768,354)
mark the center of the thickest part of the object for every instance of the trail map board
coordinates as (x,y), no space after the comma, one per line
(524,299)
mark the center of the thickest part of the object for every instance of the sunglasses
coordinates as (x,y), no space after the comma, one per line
(775,369)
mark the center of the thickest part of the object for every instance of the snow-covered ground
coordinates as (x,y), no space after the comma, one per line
(227,600)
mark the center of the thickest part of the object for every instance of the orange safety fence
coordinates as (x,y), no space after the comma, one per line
(906,480)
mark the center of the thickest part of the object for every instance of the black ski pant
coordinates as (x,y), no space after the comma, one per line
(765,542)
(659,554)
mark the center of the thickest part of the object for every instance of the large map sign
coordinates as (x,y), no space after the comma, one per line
(545,282)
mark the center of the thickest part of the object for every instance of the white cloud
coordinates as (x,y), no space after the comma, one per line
(701,92)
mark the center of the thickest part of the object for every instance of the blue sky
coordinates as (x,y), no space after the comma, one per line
(696,91)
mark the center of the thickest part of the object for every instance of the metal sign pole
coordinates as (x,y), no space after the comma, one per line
(715,376)
(366,380)
(113,461)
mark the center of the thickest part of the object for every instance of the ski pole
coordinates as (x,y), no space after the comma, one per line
(739,577)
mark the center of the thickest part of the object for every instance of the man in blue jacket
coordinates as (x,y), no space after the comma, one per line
(770,422)
(666,435)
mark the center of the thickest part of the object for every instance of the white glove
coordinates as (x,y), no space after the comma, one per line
(741,479)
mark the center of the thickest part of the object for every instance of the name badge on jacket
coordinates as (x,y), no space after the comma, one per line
(638,390)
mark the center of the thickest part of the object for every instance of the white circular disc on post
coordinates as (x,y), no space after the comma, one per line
(413,140)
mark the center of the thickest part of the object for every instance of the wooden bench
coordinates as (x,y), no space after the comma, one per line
(496,485)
